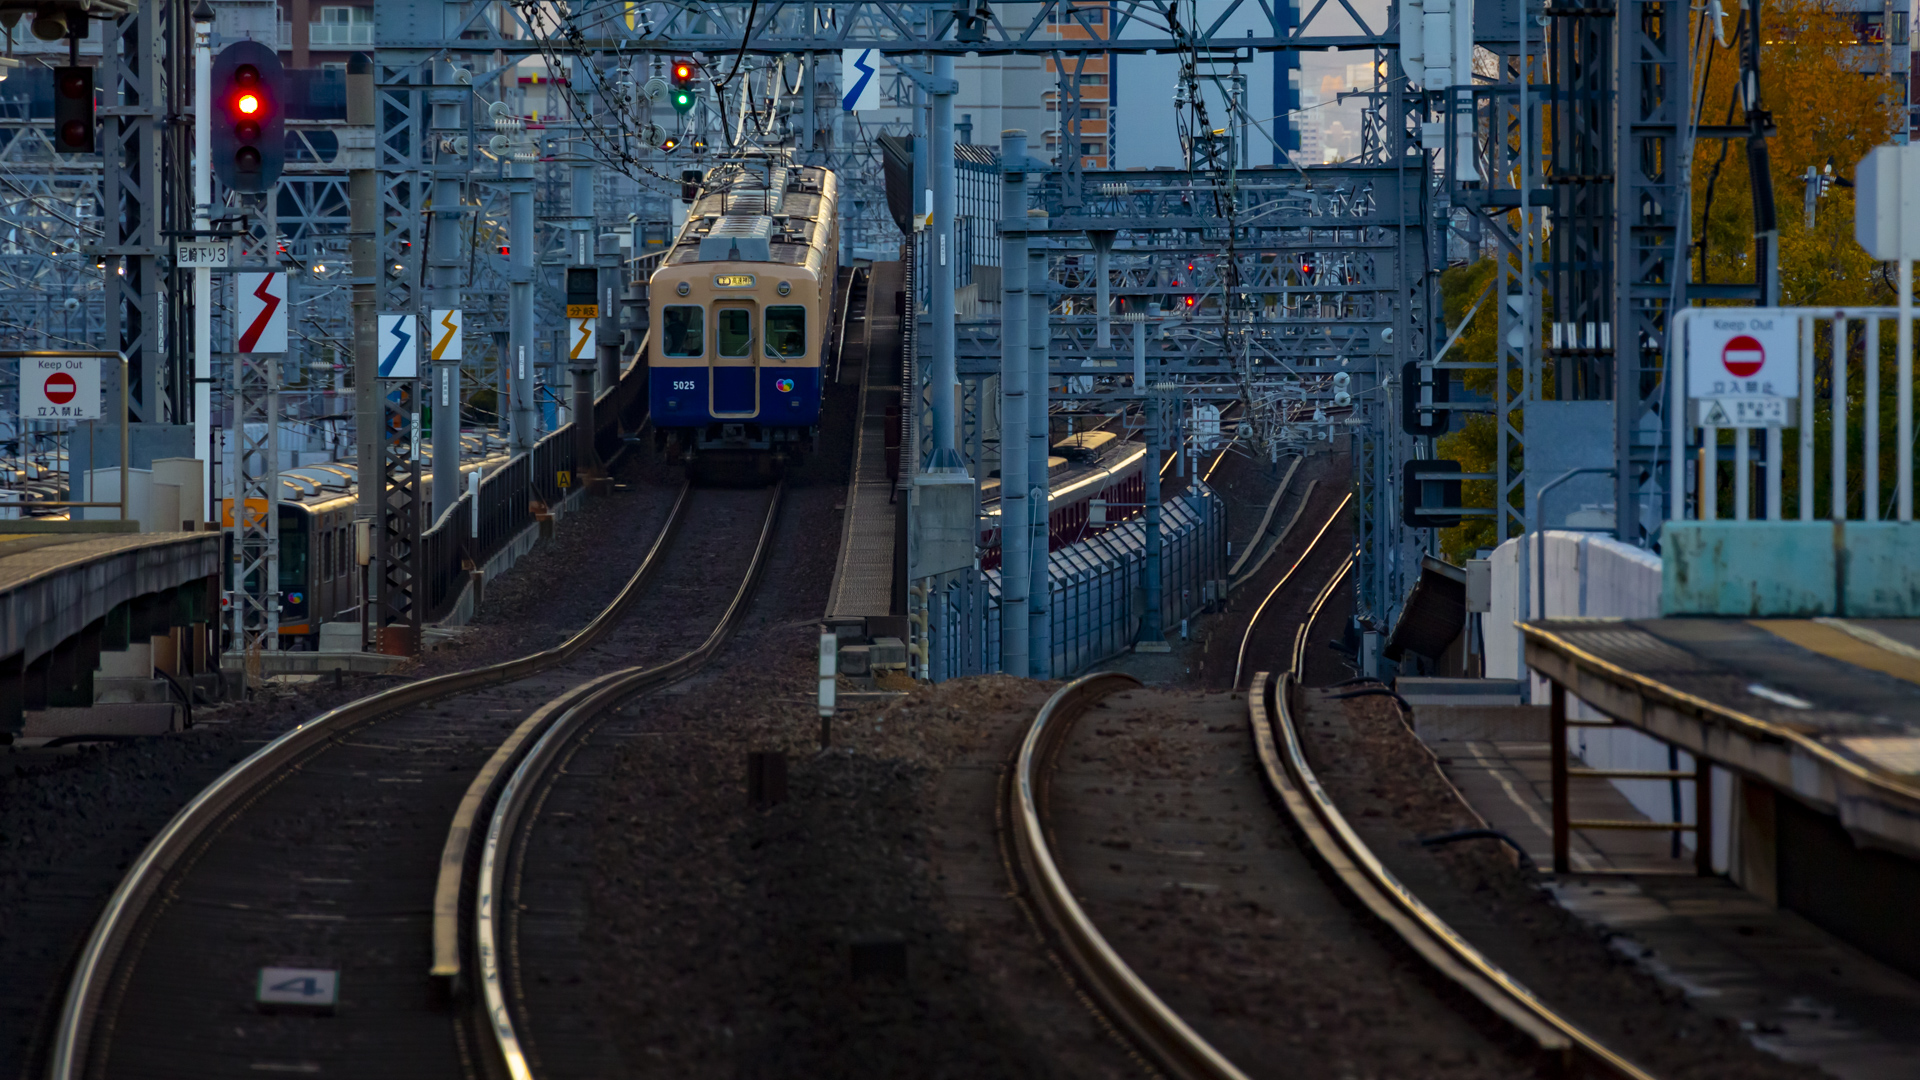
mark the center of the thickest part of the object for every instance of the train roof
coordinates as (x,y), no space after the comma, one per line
(759,208)
(313,486)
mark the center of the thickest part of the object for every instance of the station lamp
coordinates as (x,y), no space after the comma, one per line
(249,117)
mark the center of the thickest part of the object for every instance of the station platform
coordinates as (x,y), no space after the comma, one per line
(1826,710)
(1796,989)
(872,548)
(68,595)
(1809,730)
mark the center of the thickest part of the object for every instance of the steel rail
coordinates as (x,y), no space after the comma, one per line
(111,931)
(497,848)
(447,967)
(1246,639)
(1128,1000)
(1292,779)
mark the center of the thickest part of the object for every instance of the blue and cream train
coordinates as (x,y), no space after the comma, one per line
(740,308)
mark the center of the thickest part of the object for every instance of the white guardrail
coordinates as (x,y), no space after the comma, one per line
(1772,412)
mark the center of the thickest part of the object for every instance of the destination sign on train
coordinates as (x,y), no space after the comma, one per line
(733,281)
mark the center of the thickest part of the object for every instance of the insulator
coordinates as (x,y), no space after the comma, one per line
(1115,190)
(499,145)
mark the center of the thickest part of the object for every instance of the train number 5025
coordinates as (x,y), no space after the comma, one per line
(679,385)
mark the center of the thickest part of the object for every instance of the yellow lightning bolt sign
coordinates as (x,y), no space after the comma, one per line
(447,347)
(631,9)
(586,339)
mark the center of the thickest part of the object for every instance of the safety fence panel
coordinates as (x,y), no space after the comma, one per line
(1098,591)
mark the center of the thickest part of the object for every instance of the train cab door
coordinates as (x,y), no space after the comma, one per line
(735,372)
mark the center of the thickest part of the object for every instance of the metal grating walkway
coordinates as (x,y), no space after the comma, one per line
(863,574)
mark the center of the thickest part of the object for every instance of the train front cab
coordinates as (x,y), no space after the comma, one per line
(737,366)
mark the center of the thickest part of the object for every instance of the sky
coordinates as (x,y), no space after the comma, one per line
(1144,109)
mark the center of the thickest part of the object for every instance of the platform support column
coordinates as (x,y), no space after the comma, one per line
(1702,816)
(1557,756)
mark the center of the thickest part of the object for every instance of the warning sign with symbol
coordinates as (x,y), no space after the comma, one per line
(1743,353)
(59,388)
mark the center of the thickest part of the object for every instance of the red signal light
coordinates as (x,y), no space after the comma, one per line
(248,104)
(683,71)
(1189,301)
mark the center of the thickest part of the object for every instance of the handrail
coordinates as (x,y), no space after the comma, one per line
(1154,1025)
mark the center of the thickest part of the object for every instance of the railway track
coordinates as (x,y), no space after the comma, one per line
(1315,557)
(1220,937)
(530,906)
(320,849)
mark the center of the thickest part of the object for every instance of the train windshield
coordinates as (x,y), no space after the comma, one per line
(733,331)
(683,330)
(787,331)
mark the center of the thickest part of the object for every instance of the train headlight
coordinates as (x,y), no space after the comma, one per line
(784,288)
(683,288)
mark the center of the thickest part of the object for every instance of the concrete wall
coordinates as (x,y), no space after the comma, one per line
(1593,575)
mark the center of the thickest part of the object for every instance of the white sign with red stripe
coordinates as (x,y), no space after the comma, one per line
(1737,355)
(261,326)
(59,388)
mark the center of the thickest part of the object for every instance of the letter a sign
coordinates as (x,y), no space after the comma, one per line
(261,325)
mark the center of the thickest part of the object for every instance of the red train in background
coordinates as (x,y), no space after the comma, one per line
(1082,468)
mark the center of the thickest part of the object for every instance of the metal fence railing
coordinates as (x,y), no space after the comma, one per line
(1097,590)
(453,547)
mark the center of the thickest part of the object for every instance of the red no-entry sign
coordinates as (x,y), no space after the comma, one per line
(1743,356)
(61,388)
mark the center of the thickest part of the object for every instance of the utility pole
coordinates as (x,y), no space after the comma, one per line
(1152,638)
(1016,574)
(1039,505)
(369,415)
(444,262)
(203,275)
(941,255)
(526,414)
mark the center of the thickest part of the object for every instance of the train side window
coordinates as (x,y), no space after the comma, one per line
(683,330)
(293,559)
(326,554)
(343,550)
(787,331)
(733,331)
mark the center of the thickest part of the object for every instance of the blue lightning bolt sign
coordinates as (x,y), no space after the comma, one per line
(399,347)
(859,80)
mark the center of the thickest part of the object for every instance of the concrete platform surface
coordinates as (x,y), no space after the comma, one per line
(49,592)
(1827,709)
(1797,990)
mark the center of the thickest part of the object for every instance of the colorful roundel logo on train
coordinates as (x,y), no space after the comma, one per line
(785,386)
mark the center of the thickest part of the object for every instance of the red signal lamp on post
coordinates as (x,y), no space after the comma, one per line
(249,122)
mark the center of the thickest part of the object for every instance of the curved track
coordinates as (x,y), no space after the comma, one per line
(1080,850)
(530,902)
(1279,599)
(319,850)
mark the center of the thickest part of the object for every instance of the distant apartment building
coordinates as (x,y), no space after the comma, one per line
(1082,109)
